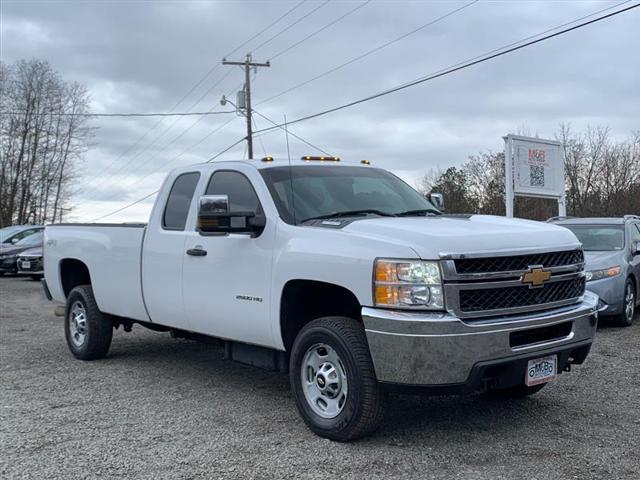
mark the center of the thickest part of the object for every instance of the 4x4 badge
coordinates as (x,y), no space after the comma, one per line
(536,277)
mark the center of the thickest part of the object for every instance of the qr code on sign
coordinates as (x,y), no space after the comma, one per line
(537,175)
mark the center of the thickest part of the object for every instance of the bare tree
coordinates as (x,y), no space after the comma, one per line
(40,143)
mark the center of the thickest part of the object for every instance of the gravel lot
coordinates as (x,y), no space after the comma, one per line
(164,408)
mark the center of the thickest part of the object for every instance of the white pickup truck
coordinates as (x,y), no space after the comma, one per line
(340,274)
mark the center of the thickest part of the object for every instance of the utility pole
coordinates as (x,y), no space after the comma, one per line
(247,64)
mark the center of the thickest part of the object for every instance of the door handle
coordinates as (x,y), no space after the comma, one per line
(197,252)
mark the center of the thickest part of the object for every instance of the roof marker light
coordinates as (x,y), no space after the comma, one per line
(321,159)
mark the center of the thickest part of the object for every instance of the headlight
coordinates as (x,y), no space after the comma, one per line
(605,273)
(408,284)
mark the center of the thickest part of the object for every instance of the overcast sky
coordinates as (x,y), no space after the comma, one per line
(144,56)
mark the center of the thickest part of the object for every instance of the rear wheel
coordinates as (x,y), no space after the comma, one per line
(36,277)
(333,379)
(87,330)
(518,391)
(625,319)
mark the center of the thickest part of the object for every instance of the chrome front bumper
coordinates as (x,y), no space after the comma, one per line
(437,349)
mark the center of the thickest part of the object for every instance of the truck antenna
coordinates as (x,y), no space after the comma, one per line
(293,206)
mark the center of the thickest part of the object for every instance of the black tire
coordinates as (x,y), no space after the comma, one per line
(625,318)
(362,411)
(516,392)
(98,328)
(36,277)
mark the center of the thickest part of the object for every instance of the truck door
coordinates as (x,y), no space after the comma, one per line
(226,292)
(163,250)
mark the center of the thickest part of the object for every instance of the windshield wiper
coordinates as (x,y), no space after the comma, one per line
(423,211)
(350,213)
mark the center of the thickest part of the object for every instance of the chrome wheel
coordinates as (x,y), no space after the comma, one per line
(629,302)
(324,380)
(78,324)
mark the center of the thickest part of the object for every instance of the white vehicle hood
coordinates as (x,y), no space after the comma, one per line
(434,236)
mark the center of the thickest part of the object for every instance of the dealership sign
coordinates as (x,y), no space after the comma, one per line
(534,168)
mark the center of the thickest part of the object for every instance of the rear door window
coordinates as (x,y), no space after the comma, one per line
(179,201)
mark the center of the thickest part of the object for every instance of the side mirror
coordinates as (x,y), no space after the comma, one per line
(14,240)
(437,199)
(214,218)
(635,249)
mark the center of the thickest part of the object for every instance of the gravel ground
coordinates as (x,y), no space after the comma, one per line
(164,408)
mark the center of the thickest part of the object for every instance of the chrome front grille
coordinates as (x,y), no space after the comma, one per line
(484,299)
(488,284)
(518,262)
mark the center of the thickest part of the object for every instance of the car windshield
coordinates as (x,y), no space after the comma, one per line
(322,192)
(7,232)
(34,239)
(599,238)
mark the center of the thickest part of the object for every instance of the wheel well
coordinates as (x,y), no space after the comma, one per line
(305,300)
(73,273)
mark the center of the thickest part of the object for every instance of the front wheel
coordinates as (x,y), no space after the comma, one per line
(87,330)
(625,319)
(333,379)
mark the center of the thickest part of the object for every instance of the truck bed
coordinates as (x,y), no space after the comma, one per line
(112,253)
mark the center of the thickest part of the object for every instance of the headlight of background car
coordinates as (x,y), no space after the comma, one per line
(408,284)
(605,273)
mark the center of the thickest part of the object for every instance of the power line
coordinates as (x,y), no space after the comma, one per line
(158,137)
(295,7)
(321,29)
(164,147)
(225,150)
(125,207)
(450,70)
(288,27)
(255,124)
(286,129)
(129,205)
(194,87)
(167,114)
(161,166)
(370,52)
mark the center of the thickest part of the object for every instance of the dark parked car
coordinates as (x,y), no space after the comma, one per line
(9,252)
(30,263)
(14,233)
(612,257)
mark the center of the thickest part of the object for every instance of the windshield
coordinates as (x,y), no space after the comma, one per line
(599,238)
(325,192)
(7,232)
(35,239)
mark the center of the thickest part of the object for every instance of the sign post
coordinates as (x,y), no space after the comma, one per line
(534,167)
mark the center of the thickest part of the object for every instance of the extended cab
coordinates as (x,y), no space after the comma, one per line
(340,274)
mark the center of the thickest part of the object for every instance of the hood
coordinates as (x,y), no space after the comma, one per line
(32,252)
(14,249)
(602,260)
(434,236)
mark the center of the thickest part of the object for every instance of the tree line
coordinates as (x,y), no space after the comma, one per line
(602,178)
(40,143)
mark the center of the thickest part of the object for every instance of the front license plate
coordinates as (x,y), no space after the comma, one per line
(541,370)
(26,265)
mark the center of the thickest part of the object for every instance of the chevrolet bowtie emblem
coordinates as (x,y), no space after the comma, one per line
(536,277)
